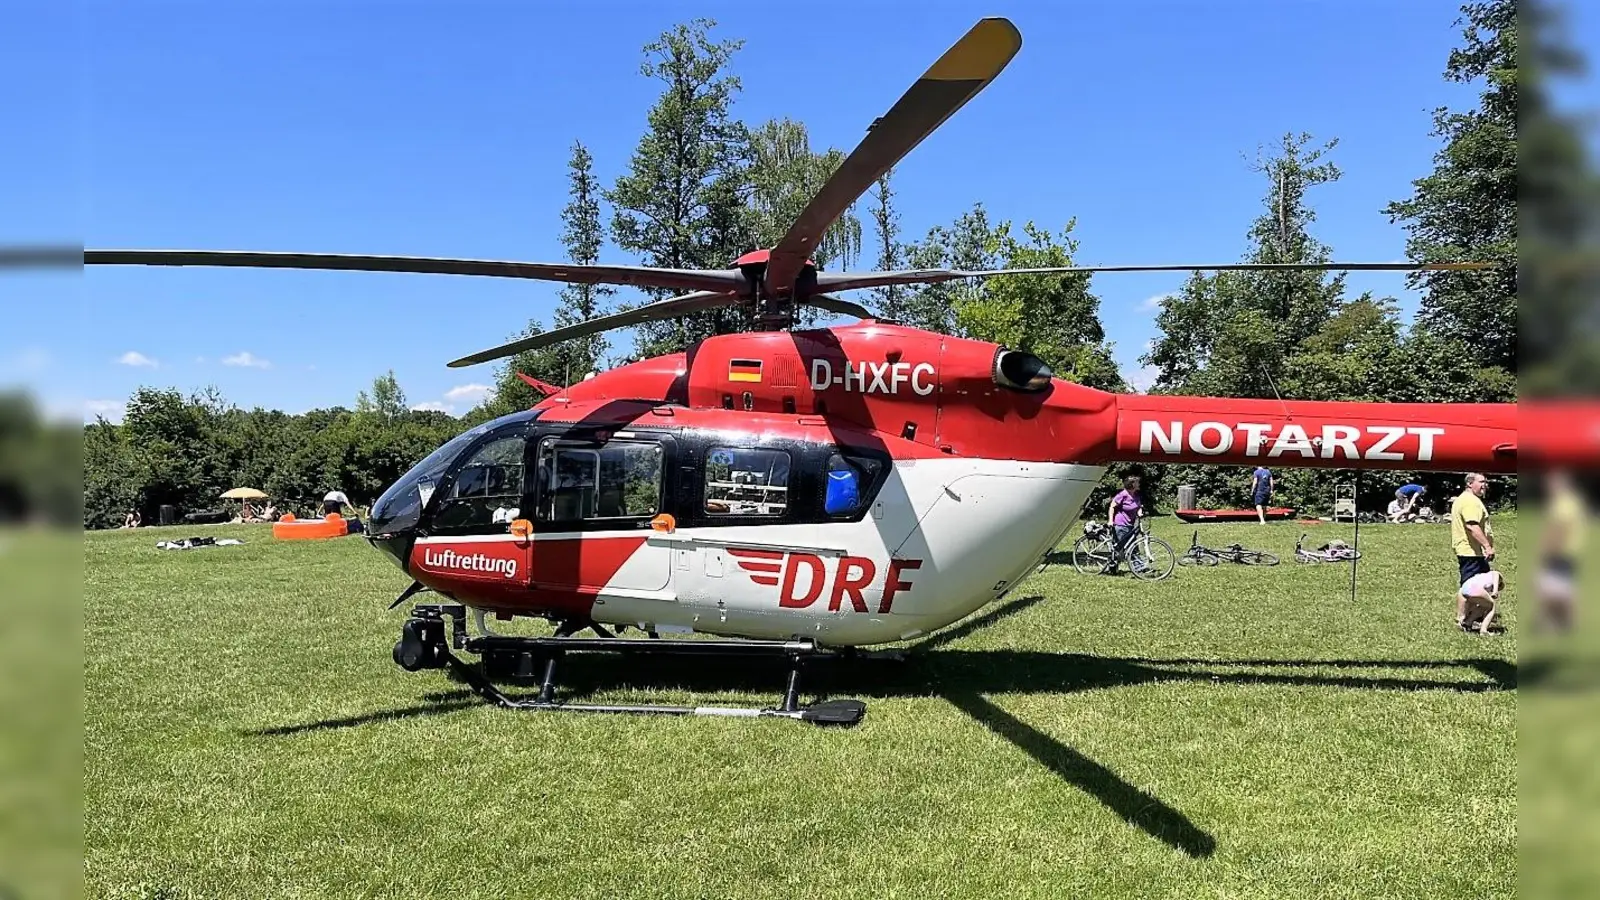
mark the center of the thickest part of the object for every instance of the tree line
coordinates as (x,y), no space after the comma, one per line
(702,186)
(184,451)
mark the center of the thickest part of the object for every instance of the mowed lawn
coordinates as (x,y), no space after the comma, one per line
(1229,732)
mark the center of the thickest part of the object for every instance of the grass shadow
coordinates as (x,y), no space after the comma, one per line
(436,704)
(966,679)
(1136,807)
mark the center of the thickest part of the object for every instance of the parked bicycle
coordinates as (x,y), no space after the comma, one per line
(1148,557)
(1199,555)
(1333,551)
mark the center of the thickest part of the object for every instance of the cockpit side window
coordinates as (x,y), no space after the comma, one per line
(618,480)
(487,490)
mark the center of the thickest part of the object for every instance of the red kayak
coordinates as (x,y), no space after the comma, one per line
(1273,513)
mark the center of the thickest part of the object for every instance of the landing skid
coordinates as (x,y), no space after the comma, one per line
(423,645)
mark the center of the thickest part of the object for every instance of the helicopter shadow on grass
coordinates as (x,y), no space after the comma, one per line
(966,679)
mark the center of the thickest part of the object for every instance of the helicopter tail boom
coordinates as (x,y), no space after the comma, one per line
(1451,437)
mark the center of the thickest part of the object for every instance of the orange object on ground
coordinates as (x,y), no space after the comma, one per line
(1272,513)
(289,528)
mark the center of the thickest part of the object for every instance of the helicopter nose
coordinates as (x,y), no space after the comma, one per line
(396,544)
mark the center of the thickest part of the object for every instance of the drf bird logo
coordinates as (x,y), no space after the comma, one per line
(848,578)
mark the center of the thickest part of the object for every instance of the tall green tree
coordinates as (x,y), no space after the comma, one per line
(1230,333)
(1268,333)
(1055,317)
(679,204)
(1466,209)
(583,234)
(886,228)
(969,242)
(387,401)
(785,173)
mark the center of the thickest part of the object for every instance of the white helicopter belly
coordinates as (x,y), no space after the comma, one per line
(944,538)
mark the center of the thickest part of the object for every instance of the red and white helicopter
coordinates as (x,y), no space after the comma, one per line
(802,492)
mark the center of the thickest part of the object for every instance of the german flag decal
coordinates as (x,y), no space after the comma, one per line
(744,370)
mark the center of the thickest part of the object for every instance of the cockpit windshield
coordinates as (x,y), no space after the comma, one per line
(401,506)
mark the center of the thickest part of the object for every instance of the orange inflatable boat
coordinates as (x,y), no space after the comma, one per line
(289,528)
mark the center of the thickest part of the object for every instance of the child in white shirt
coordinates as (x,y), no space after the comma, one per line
(1475,593)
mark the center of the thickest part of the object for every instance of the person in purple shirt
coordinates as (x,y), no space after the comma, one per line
(1124,513)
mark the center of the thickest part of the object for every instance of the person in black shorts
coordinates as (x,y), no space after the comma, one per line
(1261,491)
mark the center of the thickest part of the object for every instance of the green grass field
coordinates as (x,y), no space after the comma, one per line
(1229,732)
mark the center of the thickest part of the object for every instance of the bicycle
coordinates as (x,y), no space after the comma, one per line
(1199,555)
(1148,557)
(1333,551)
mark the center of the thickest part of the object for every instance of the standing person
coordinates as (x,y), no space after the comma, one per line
(1471,535)
(1563,541)
(1261,491)
(1124,512)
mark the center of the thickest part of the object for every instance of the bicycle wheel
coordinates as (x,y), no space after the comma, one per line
(1090,556)
(1257,558)
(1152,559)
(1198,558)
(1301,556)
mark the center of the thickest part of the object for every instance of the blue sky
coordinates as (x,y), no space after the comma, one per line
(444,129)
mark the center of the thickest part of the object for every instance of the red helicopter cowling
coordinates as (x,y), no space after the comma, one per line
(950,395)
(976,399)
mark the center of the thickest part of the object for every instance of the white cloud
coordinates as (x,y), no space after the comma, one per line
(1151,304)
(472,393)
(112,410)
(135,358)
(1142,380)
(247,360)
(434,406)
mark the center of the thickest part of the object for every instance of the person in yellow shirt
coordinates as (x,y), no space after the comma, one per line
(1471,536)
(1563,541)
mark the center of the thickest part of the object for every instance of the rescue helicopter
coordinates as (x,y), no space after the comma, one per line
(802,493)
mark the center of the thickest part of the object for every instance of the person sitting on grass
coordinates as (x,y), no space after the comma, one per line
(1404,509)
(1478,601)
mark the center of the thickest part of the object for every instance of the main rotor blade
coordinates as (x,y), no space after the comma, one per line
(964,70)
(842,307)
(41,256)
(849,281)
(670,308)
(637,276)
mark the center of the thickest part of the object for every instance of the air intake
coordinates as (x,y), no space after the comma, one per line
(1021,371)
